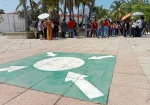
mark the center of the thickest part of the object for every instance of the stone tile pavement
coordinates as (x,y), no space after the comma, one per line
(131,79)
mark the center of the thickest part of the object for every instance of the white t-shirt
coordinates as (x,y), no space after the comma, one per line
(40,26)
(134,25)
(139,23)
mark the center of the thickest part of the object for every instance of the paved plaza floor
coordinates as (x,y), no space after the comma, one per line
(79,71)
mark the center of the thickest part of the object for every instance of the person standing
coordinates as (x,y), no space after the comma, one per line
(35,25)
(95,26)
(45,29)
(133,29)
(71,27)
(117,30)
(75,28)
(90,28)
(49,29)
(64,28)
(106,23)
(100,29)
(125,30)
(40,29)
(114,29)
(56,28)
(140,22)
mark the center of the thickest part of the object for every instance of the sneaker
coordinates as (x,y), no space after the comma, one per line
(56,38)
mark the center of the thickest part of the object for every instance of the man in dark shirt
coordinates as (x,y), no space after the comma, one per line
(56,28)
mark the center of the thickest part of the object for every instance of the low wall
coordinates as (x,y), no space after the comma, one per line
(30,35)
(20,35)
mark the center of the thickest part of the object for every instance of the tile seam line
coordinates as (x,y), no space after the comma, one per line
(102,50)
(21,45)
(23,57)
(139,63)
(131,86)
(129,73)
(30,88)
(113,72)
(9,46)
(106,47)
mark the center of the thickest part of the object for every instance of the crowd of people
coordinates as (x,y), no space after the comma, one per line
(49,29)
(106,28)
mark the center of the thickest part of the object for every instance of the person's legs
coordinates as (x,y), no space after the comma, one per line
(107,34)
(139,32)
(35,32)
(98,32)
(64,34)
(71,33)
(41,34)
(104,31)
(75,32)
(94,32)
(45,33)
(113,32)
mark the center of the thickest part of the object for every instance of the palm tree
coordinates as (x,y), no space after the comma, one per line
(44,6)
(65,8)
(25,15)
(84,3)
(77,5)
(33,6)
(69,4)
(117,9)
(100,12)
(57,3)
(91,8)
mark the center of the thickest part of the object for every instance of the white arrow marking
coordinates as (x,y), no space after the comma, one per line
(51,54)
(13,68)
(101,57)
(87,88)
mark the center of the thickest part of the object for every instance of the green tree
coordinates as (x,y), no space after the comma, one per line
(77,5)
(91,8)
(32,8)
(147,13)
(117,9)
(100,12)
(25,15)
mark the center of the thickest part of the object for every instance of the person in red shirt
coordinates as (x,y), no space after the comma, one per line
(71,28)
(95,26)
(106,23)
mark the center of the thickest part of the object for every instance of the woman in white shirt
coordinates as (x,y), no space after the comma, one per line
(40,29)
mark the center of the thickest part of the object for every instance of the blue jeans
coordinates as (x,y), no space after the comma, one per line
(100,32)
(105,31)
(63,34)
(113,32)
(71,32)
(139,32)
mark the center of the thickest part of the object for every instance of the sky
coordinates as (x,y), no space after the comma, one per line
(10,5)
